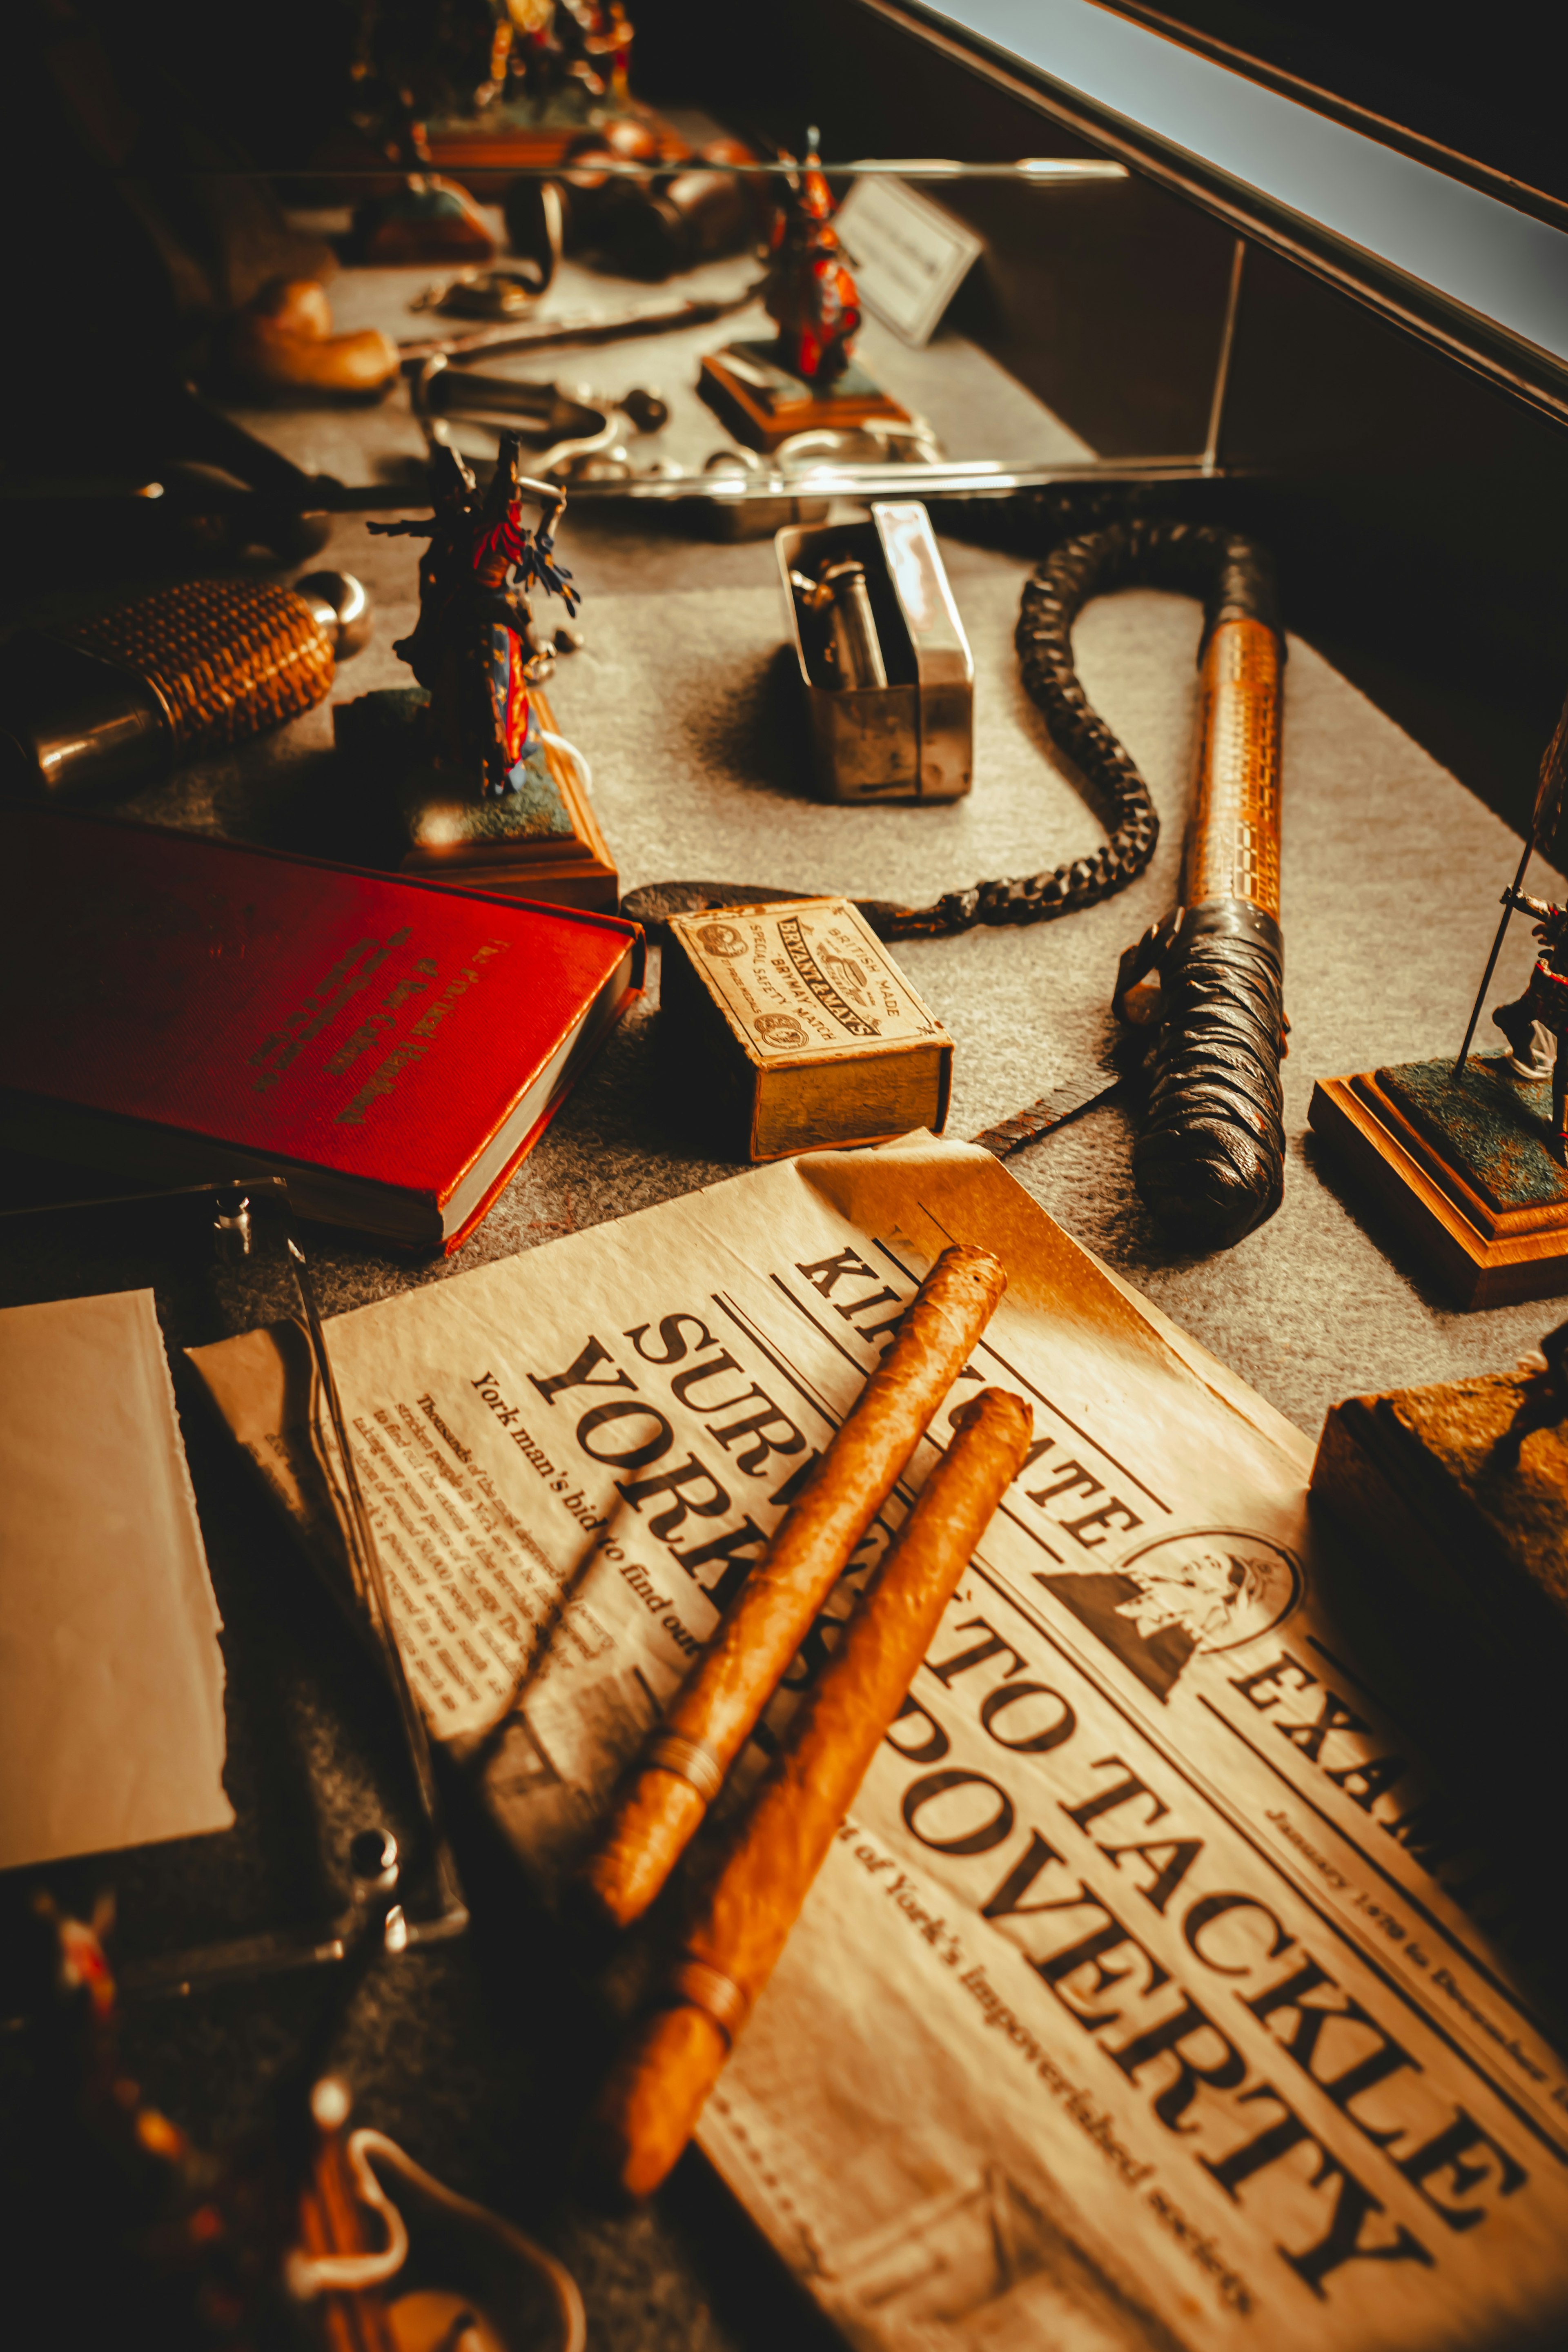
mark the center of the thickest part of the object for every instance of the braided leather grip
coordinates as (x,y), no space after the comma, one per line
(1210,1159)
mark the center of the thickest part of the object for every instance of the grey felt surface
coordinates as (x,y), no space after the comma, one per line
(473,2055)
(1392,871)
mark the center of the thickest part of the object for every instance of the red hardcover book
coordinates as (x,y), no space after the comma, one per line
(183,1009)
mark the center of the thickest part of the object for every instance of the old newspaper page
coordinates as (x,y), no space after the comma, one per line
(1151,1995)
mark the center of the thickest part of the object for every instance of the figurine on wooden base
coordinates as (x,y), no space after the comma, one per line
(1543,1402)
(1472,1155)
(1450,1507)
(488,794)
(1540,1016)
(486,86)
(806,379)
(469,648)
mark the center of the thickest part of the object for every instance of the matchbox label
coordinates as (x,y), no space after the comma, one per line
(806,976)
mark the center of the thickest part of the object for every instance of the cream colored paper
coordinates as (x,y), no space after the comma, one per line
(1138,2004)
(111,1681)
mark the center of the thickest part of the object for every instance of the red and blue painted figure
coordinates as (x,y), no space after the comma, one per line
(1544,1006)
(469,648)
(810,294)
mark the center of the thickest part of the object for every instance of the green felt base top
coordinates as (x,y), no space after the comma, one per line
(1490,1128)
(441,810)
(786,391)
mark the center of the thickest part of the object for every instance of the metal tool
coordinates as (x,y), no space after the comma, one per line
(577,327)
(1106,1081)
(566,429)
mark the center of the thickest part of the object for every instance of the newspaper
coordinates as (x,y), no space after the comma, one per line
(1146,1998)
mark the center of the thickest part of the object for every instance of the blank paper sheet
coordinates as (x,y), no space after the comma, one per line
(111,1679)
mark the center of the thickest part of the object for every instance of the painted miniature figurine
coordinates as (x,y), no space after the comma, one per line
(1542,1012)
(805,380)
(1543,1402)
(809,292)
(470,647)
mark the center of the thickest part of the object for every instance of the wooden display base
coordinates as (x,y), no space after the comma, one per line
(542,843)
(763,405)
(1463,1171)
(1447,1584)
(1427,1478)
(484,151)
(508,139)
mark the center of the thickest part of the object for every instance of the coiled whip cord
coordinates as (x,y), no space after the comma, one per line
(1210,1158)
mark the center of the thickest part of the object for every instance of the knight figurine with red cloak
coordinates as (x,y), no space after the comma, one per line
(469,648)
(809,292)
(1536,1024)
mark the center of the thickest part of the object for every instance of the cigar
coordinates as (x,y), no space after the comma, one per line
(654,2094)
(717,1706)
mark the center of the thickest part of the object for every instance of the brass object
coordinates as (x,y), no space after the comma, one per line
(103,706)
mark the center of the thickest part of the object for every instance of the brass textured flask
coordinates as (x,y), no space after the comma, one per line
(99,707)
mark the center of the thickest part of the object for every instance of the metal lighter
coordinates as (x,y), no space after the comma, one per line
(885,665)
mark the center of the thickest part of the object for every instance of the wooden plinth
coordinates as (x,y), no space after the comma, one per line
(496,145)
(764,420)
(472,844)
(485,154)
(1484,1256)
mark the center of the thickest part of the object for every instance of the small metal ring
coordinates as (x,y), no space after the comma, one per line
(698,1984)
(691,1761)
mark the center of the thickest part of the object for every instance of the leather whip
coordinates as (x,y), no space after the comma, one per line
(1209,1160)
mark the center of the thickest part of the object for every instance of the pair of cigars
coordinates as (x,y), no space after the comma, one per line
(676,2050)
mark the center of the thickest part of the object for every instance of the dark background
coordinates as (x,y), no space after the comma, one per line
(1485,81)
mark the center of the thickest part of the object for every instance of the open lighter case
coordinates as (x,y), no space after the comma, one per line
(885,665)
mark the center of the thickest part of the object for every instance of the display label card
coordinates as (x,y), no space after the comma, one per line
(908,256)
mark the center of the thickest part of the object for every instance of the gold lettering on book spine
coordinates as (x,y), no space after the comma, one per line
(1233,846)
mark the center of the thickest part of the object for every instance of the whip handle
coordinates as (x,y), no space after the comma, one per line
(1211,1156)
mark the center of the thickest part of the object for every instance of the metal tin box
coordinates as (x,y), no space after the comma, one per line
(912,739)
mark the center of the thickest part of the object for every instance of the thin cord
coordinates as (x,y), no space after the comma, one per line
(313,2274)
(584,771)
